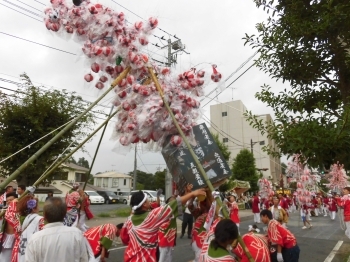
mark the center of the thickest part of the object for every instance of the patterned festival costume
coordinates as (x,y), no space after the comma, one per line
(233,207)
(209,254)
(344,202)
(167,239)
(198,235)
(140,232)
(73,203)
(257,245)
(278,235)
(100,236)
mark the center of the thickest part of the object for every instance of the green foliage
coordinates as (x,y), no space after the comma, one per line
(83,162)
(29,115)
(159,179)
(223,147)
(283,168)
(123,212)
(243,168)
(306,44)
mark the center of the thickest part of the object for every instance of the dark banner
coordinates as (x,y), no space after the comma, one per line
(182,166)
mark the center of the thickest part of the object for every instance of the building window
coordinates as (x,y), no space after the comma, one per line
(124,182)
(60,176)
(98,182)
(225,140)
(224,113)
(105,182)
(115,182)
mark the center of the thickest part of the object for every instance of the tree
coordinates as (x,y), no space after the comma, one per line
(159,179)
(306,43)
(146,180)
(223,147)
(83,162)
(28,115)
(243,168)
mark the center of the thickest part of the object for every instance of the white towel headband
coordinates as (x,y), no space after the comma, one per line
(141,203)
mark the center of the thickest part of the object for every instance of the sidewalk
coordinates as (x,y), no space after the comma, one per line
(244,215)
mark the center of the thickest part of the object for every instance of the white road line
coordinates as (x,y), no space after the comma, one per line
(333,252)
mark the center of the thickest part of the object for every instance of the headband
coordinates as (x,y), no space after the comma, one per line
(141,203)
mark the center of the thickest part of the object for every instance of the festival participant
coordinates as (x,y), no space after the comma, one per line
(73,202)
(255,208)
(278,213)
(268,203)
(167,237)
(100,239)
(283,203)
(332,207)
(88,212)
(11,226)
(233,208)
(56,240)
(257,245)
(286,244)
(314,202)
(84,206)
(304,213)
(20,190)
(140,231)
(344,202)
(325,205)
(226,232)
(27,207)
(8,189)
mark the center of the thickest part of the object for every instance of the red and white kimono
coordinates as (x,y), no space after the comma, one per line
(210,254)
(344,202)
(257,245)
(100,236)
(12,219)
(332,207)
(2,198)
(140,232)
(73,201)
(279,235)
(233,207)
(198,234)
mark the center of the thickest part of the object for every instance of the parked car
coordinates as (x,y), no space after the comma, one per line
(109,196)
(95,198)
(124,196)
(152,196)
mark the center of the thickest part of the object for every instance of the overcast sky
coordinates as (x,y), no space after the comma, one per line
(211,30)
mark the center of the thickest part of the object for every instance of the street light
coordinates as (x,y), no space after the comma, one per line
(253,143)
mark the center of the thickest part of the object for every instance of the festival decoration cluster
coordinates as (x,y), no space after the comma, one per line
(338,178)
(111,44)
(265,188)
(299,172)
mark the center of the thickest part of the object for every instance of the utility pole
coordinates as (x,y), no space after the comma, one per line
(251,145)
(135,167)
(177,46)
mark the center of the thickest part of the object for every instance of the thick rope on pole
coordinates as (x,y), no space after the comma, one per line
(61,133)
(198,164)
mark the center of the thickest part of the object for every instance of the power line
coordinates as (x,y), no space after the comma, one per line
(142,162)
(39,2)
(21,13)
(230,84)
(30,6)
(20,7)
(37,43)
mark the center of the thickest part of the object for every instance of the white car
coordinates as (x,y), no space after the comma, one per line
(152,196)
(95,198)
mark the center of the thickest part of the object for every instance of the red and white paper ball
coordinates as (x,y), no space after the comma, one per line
(176,140)
(99,85)
(95,67)
(88,77)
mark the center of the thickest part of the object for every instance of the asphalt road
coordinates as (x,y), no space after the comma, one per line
(316,244)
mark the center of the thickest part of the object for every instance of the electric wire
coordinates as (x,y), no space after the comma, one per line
(21,12)
(29,6)
(20,7)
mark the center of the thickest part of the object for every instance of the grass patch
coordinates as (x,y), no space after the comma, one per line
(123,212)
(104,215)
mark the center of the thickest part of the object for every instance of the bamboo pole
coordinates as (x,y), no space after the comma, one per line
(198,164)
(98,147)
(48,172)
(61,133)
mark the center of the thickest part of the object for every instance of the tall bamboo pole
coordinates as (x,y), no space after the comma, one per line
(48,172)
(198,164)
(98,147)
(61,133)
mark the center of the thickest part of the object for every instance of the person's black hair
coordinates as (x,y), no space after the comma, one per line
(267,213)
(23,187)
(135,200)
(119,226)
(54,210)
(12,194)
(255,226)
(8,188)
(168,200)
(225,230)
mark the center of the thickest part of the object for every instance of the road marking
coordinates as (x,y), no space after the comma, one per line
(333,252)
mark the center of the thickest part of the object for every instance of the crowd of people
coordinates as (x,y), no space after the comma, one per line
(150,231)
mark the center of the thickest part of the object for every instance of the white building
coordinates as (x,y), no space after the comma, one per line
(113,181)
(228,121)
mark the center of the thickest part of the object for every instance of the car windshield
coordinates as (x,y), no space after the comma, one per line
(110,193)
(92,193)
(153,193)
